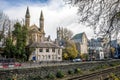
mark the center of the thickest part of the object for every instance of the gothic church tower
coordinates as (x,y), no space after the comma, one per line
(27,18)
(35,34)
(42,26)
(42,22)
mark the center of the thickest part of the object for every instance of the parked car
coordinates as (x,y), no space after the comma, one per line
(77,60)
(17,64)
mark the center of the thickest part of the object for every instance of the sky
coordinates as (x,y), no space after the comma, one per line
(56,14)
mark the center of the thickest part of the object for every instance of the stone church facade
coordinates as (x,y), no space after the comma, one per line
(44,48)
(81,42)
(36,34)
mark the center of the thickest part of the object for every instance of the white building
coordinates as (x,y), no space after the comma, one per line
(46,51)
(96,49)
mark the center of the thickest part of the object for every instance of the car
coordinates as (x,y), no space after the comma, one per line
(17,64)
(77,60)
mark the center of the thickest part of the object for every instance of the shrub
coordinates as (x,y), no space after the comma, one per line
(51,76)
(92,69)
(34,78)
(70,72)
(113,77)
(37,78)
(78,70)
(7,79)
(60,74)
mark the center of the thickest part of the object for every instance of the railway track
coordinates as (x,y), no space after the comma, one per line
(101,75)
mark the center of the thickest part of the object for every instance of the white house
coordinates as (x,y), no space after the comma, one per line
(96,49)
(100,53)
(46,51)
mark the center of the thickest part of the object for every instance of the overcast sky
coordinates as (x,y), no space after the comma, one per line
(56,14)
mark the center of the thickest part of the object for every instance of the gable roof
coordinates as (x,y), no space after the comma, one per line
(44,45)
(78,37)
(34,27)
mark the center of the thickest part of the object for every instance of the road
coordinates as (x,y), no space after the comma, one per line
(43,64)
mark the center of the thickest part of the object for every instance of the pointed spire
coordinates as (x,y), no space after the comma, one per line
(41,22)
(27,12)
(41,15)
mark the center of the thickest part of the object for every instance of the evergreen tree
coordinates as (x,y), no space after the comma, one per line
(20,35)
(16,47)
(8,51)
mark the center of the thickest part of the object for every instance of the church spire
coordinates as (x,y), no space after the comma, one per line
(27,17)
(41,15)
(41,22)
(27,13)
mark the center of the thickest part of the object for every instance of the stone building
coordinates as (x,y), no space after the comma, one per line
(81,42)
(36,34)
(60,40)
(44,48)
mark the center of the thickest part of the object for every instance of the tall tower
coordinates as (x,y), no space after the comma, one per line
(41,22)
(59,33)
(27,18)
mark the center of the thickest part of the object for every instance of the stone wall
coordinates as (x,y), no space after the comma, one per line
(44,71)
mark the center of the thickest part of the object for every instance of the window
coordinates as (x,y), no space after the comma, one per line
(49,56)
(53,49)
(40,50)
(59,58)
(47,50)
(59,52)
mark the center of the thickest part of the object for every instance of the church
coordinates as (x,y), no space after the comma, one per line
(44,48)
(36,34)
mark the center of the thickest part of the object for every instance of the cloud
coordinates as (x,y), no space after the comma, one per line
(56,14)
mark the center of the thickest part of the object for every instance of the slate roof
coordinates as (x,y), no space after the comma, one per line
(44,45)
(78,37)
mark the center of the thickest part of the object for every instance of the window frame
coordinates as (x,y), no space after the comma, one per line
(47,50)
(40,50)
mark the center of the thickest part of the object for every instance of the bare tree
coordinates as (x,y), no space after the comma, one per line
(64,33)
(5,27)
(4,23)
(101,15)
(67,34)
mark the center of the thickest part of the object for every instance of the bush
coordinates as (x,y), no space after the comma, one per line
(60,74)
(51,76)
(78,70)
(34,78)
(113,77)
(7,79)
(92,69)
(70,72)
